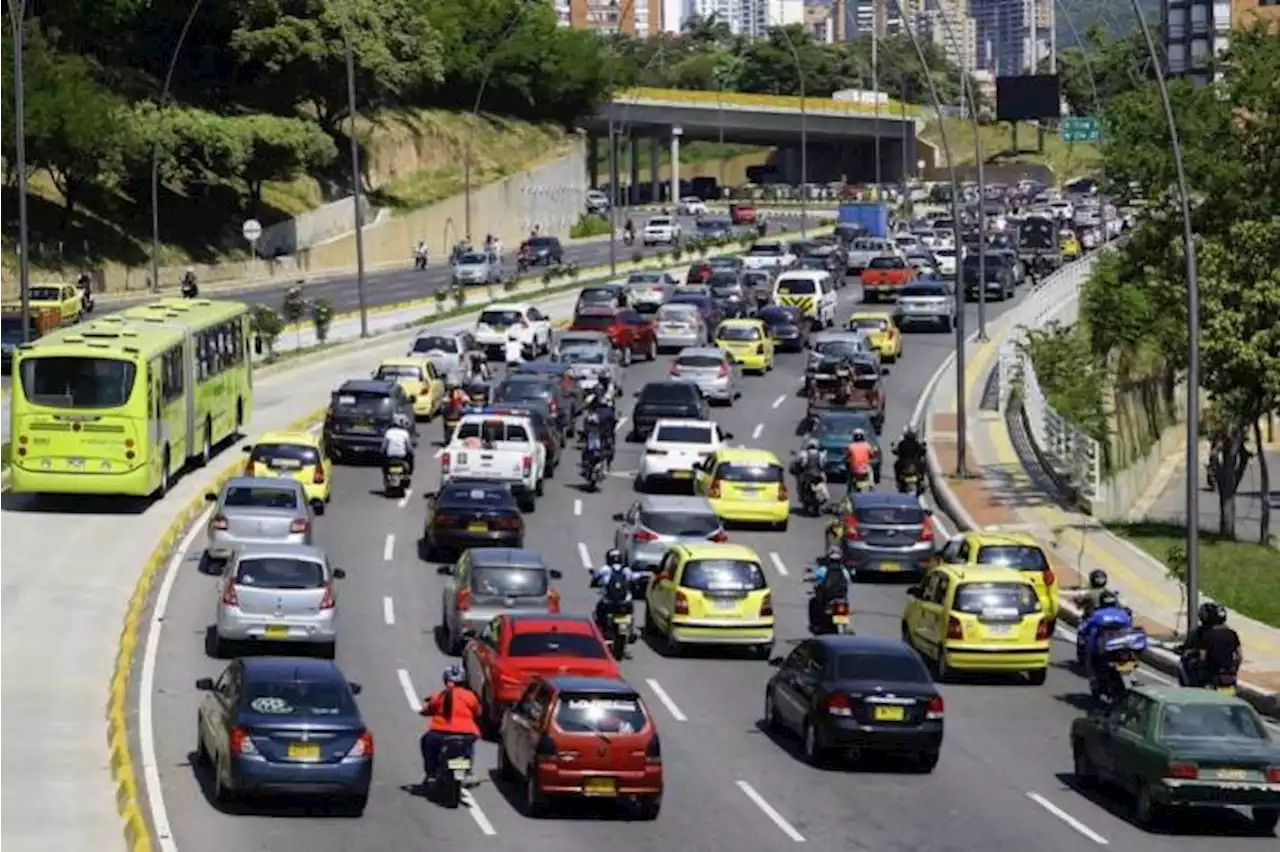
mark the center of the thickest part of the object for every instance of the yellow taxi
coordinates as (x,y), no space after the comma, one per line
(63,298)
(299,455)
(1070,245)
(748,342)
(978,620)
(1017,551)
(419,378)
(710,594)
(881,333)
(744,486)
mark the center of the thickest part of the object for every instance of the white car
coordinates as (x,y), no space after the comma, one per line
(692,205)
(530,326)
(502,448)
(1063,209)
(674,447)
(946,260)
(768,254)
(661,230)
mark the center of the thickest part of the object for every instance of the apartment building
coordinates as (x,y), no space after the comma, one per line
(947,24)
(1197,31)
(641,18)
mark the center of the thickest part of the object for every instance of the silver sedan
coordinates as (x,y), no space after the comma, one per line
(254,510)
(449,351)
(680,326)
(712,370)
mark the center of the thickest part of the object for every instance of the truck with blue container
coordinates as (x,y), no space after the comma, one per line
(871,216)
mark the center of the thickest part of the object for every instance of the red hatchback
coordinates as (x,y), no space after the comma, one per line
(582,737)
(742,214)
(632,333)
(514,649)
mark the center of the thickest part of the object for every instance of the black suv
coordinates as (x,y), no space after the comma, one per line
(659,400)
(360,412)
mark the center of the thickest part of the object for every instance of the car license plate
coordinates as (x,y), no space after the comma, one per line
(600,787)
(891,566)
(1232,774)
(999,629)
(750,492)
(839,619)
(891,713)
(682,474)
(729,606)
(477,528)
(304,751)
(277,631)
(622,620)
(459,763)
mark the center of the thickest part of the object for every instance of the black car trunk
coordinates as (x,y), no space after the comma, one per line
(890,703)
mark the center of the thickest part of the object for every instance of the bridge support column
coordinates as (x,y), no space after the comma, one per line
(676,133)
(593,160)
(633,185)
(655,174)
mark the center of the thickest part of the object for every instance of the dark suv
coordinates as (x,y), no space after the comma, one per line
(360,412)
(659,400)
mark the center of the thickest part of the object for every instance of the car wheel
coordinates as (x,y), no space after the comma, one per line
(1146,809)
(813,752)
(771,720)
(651,354)
(220,648)
(202,753)
(1265,819)
(506,771)
(534,802)
(905,634)
(327,650)
(1082,766)
(222,794)
(539,488)
(763,652)
(648,807)
(1037,677)
(528,505)
(626,357)
(942,669)
(356,804)
(781,526)
(924,762)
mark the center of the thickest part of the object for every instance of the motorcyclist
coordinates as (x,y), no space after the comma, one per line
(1089,596)
(84,283)
(190,288)
(1109,615)
(831,581)
(860,454)
(909,454)
(614,579)
(478,392)
(513,350)
(1212,651)
(420,255)
(454,711)
(629,231)
(457,400)
(762,227)
(397,444)
(809,470)
(597,434)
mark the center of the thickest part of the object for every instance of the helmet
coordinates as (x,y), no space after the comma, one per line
(1212,614)
(454,674)
(834,553)
(190,270)
(811,444)
(1097,579)
(908,431)
(400,420)
(1107,599)
(613,558)
(859,435)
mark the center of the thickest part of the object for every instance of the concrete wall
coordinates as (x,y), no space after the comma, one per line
(313,227)
(1121,492)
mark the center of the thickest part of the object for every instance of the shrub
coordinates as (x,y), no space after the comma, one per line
(266,325)
(321,318)
(590,225)
(637,256)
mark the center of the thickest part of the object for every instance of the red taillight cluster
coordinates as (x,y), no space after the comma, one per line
(927,531)
(241,742)
(1049,577)
(464,600)
(682,604)
(1182,771)
(839,705)
(249,467)
(936,708)
(318,477)
(851,530)
(766,607)
(674,370)
(840,608)
(655,452)
(646,535)
(724,369)
(508,523)
(1273,774)
(1044,630)
(714,491)
(526,465)
(229,596)
(219,522)
(328,601)
(363,746)
(299,526)
(553,601)
(783,494)
(445,460)
(955,630)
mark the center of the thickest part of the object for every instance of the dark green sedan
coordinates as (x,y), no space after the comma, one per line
(1172,748)
(834,431)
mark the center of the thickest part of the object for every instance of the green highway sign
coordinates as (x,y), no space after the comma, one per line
(1080,129)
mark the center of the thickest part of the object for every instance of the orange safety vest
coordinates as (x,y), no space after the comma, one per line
(860,454)
(466,709)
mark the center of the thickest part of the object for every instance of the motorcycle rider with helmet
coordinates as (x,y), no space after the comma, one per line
(1109,615)
(190,289)
(861,454)
(454,711)
(599,402)
(397,444)
(615,580)
(808,468)
(1088,597)
(909,454)
(594,447)
(1211,656)
(831,581)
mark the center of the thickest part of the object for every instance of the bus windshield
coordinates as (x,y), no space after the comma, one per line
(77,382)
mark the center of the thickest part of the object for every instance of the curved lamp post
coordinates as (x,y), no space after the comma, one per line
(18,20)
(804,133)
(357,185)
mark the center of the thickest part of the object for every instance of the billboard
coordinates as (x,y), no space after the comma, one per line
(1028,97)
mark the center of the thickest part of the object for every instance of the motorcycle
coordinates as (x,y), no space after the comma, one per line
(1221,682)
(910,480)
(190,289)
(617,629)
(864,482)
(1119,663)
(836,617)
(592,473)
(809,499)
(419,260)
(455,765)
(452,414)
(394,478)
(628,237)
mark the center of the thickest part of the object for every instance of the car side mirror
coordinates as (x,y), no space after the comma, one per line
(445,569)
(619,517)
(913,591)
(776,662)
(728,436)
(247,448)
(413,398)
(430,495)
(556,574)
(356,688)
(205,684)
(339,574)
(210,497)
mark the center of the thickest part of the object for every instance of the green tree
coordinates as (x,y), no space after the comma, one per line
(197,149)
(281,149)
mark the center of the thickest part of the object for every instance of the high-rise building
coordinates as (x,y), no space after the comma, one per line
(764,15)
(820,22)
(948,25)
(1197,31)
(1002,39)
(674,14)
(641,18)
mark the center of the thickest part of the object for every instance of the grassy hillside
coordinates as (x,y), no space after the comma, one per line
(997,147)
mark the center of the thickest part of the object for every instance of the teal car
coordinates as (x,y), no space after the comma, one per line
(834,431)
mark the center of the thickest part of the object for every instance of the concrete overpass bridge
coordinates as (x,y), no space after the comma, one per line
(841,134)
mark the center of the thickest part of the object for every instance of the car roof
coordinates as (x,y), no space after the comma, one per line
(681,421)
(742,322)
(985,538)
(703,351)
(864,644)
(279,482)
(986,574)
(405,361)
(869,315)
(303,439)
(673,503)
(290,669)
(368,386)
(850,334)
(615,288)
(507,557)
(746,454)
(507,306)
(577,683)
(885,498)
(667,383)
(600,311)
(719,550)
(279,550)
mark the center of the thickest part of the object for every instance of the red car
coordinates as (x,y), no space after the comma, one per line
(514,649)
(632,333)
(587,737)
(742,214)
(699,273)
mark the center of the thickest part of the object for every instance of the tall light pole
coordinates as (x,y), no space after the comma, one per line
(804,134)
(357,187)
(18,19)
(875,93)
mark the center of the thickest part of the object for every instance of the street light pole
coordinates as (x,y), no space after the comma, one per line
(357,189)
(613,196)
(804,136)
(18,19)
(875,93)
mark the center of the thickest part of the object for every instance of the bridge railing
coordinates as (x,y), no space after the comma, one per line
(739,100)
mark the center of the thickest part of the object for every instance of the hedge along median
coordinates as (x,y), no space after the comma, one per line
(137,829)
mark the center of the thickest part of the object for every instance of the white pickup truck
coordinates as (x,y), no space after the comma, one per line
(768,254)
(499,448)
(661,230)
(863,250)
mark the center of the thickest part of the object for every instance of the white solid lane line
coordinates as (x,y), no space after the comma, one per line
(777,403)
(755,433)
(577,507)
(777,564)
(389,547)
(622,421)
(388,611)
(584,554)
(410,695)
(787,828)
(1067,818)
(404,500)
(675,711)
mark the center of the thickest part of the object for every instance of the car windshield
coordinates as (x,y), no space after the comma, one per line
(668,392)
(593,322)
(492,431)
(259,497)
(584,355)
(518,387)
(389,372)
(480,498)
(766,250)
(749,472)
(1018,556)
(980,598)
(285,456)
(889,515)
(76,382)
(362,401)
(671,434)
(881,668)
(435,343)
(843,424)
(722,575)
(659,222)
(300,698)
(472,259)
(738,332)
(45,294)
(556,644)
(796,287)
(600,714)
(1209,721)
(869,323)
(681,524)
(713,225)
(280,573)
(776,318)
(542,243)
(837,348)
(644,278)
(510,582)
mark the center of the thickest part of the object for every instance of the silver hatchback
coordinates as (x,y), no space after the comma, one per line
(716,375)
(678,326)
(277,593)
(254,510)
(654,524)
(489,581)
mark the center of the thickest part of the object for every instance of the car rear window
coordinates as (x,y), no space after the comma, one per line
(597,295)
(285,456)
(487,498)
(672,392)
(738,332)
(584,355)
(837,348)
(749,472)
(700,362)
(979,598)
(436,343)
(555,644)
(280,573)
(500,318)
(510,582)
(880,668)
(681,524)
(935,290)
(531,387)
(722,575)
(593,322)
(844,424)
(1209,721)
(889,515)
(887,263)
(766,250)
(796,287)
(683,315)
(362,401)
(1022,557)
(391,372)
(491,431)
(260,497)
(684,434)
(600,714)
(870,323)
(299,699)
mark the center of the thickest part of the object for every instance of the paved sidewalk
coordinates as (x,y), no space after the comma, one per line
(1008,490)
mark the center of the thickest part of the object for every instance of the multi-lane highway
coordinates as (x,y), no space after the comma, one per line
(1003,781)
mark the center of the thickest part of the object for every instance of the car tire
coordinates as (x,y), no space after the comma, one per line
(356,804)
(651,353)
(221,649)
(202,753)
(648,807)
(223,796)
(924,762)
(640,485)
(1146,810)
(781,526)
(1265,819)
(528,505)
(532,804)
(941,669)
(1037,677)
(1082,767)
(626,357)
(539,489)
(763,652)
(814,754)
(771,721)
(327,650)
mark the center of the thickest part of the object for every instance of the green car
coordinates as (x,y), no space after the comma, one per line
(834,431)
(1172,748)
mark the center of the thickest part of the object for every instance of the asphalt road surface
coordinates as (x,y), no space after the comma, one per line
(1003,782)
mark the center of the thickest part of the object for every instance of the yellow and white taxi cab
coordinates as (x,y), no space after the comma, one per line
(881,333)
(744,486)
(748,342)
(419,378)
(296,455)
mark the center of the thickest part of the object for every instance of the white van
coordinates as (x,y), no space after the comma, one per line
(812,291)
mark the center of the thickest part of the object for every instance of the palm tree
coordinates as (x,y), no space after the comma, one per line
(708,31)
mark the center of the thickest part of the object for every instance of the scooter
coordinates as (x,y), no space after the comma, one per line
(1120,650)
(618,623)
(810,500)
(864,482)
(394,478)
(455,765)
(910,481)
(592,473)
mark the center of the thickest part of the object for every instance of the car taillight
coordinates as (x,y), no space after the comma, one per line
(424,389)
(936,708)
(328,601)
(464,600)
(1049,577)
(927,531)
(1273,774)
(1182,771)
(241,742)
(249,467)
(229,596)
(299,526)
(363,746)
(851,530)
(646,535)
(955,630)
(444,462)
(839,705)
(719,536)
(526,465)
(724,369)
(446,520)
(714,491)
(219,522)
(783,494)
(1044,630)
(318,477)
(507,523)
(652,452)
(766,607)
(840,608)
(682,604)
(653,751)
(553,601)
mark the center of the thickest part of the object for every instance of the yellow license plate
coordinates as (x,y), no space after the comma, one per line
(890,714)
(682,474)
(622,620)
(839,619)
(890,566)
(277,631)
(600,787)
(304,751)
(463,763)
(477,528)
(1126,668)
